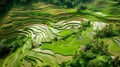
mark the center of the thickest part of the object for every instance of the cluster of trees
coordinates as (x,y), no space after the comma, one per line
(93,55)
(6,5)
(109,31)
(67,3)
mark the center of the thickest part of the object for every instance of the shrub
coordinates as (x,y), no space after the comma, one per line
(108,31)
(81,7)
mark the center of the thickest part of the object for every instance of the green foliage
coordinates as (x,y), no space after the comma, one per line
(95,54)
(68,3)
(81,7)
(5,7)
(108,31)
(115,9)
(4,50)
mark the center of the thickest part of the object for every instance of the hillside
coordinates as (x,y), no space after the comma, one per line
(50,35)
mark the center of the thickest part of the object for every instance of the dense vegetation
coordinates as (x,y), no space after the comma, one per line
(78,4)
(91,55)
(59,33)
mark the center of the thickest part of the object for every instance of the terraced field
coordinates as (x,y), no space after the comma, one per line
(47,36)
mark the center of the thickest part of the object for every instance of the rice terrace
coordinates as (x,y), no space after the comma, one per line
(59,33)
